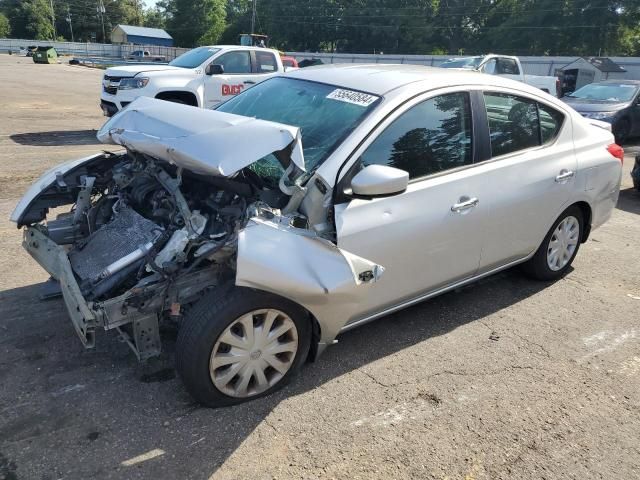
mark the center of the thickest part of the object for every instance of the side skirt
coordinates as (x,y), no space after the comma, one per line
(432,294)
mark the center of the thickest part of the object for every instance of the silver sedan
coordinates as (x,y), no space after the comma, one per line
(311,204)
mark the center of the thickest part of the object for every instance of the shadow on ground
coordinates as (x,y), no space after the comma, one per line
(58,398)
(629,201)
(56,138)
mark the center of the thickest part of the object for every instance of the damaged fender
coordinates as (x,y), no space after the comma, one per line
(311,271)
(203,141)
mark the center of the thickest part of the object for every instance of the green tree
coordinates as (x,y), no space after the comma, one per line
(5,29)
(30,19)
(196,22)
(155,17)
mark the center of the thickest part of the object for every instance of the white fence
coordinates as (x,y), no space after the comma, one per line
(532,65)
(90,49)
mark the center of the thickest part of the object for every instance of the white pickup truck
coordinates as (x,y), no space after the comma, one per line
(203,77)
(504,66)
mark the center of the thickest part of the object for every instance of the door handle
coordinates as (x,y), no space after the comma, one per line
(564,175)
(249,82)
(465,204)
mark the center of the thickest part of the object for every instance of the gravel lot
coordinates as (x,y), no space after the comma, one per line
(507,378)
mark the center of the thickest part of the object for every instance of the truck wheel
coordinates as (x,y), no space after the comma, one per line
(237,344)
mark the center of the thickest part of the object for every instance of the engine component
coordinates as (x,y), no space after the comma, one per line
(174,249)
(115,240)
(83,203)
(126,261)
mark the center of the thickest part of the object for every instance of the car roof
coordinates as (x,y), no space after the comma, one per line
(380,79)
(240,47)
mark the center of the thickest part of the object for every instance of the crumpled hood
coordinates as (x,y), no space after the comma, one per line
(203,141)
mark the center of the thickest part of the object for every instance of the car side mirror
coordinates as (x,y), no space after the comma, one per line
(214,69)
(379,181)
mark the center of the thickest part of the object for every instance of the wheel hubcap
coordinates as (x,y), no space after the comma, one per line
(253,353)
(563,243)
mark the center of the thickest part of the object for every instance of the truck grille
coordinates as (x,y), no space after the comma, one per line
(110,84)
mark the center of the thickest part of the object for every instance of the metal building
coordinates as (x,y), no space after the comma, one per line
(130,34)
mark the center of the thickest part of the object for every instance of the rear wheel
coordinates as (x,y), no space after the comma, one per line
(558,249)
(238,344)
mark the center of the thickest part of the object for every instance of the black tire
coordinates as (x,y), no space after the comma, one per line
(537,266)
(621,131)
(209,318)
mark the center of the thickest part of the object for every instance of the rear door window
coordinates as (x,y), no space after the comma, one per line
(507,66)
(517,123)
(550,122)
(266,62)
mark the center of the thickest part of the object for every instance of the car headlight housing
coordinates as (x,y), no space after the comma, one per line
(131,83)
(599,115)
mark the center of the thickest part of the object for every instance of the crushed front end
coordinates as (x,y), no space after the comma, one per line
(142,240)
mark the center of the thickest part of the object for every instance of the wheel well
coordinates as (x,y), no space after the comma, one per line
(315,338)
(185,97)
(586,219)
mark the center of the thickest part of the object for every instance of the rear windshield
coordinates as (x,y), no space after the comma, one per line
(470,63)
(194,58)
(326,114)
(606,92)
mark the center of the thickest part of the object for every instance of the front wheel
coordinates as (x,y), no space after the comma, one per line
(237,344)
(558,249)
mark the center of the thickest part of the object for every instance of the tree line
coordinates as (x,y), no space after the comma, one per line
(454,27)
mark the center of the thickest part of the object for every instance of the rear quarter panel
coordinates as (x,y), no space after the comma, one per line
(599,173)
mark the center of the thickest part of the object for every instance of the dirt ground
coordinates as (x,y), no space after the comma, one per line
(505,379)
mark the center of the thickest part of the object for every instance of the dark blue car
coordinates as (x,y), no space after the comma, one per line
(614,101)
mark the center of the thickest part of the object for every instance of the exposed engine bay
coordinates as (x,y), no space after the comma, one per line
(144,238)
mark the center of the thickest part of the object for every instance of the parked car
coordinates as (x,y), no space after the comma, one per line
(289,63)
(203,77)
(613,101)
(635,173)
(145,56)
(505,66)
(311,204)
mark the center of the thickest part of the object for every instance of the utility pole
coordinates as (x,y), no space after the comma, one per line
(53,20)
(101,11)
(69,20)
(253,17)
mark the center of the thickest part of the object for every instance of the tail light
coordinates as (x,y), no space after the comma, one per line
(617,151)
(558,88)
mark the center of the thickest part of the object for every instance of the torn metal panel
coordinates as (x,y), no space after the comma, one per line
(53,258)
(307,269)
(46,180)
(204,141)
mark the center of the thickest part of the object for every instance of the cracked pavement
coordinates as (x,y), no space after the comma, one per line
(507,378)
